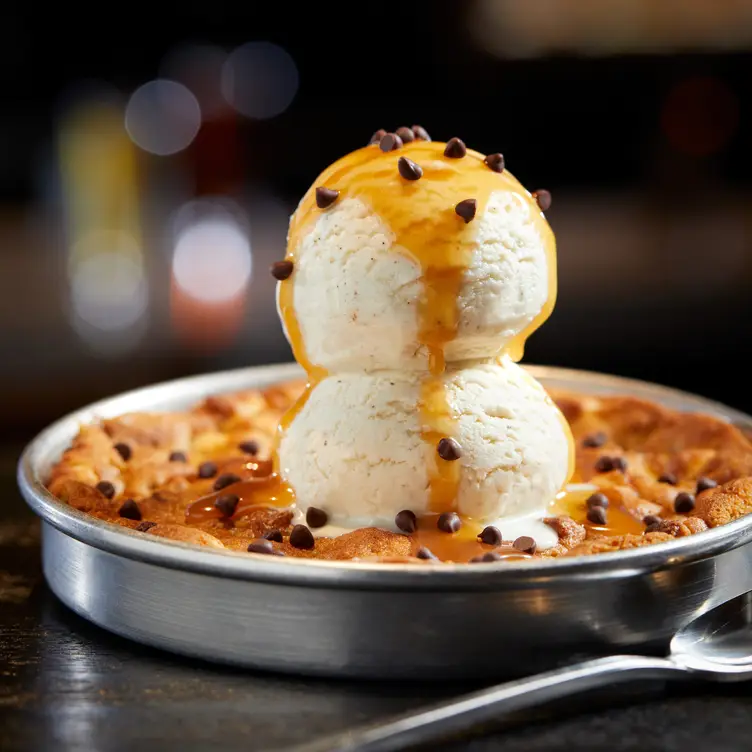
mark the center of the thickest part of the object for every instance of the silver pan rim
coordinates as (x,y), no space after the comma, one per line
(363,575)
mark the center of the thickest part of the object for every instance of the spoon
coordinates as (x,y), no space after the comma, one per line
(715,646)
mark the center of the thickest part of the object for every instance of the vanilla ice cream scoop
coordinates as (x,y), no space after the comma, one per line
(356,447)
(357,291)
(414,274)
(358,300)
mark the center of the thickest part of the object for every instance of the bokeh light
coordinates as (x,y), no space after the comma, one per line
(162,117)
(108,285)
(260,80)
(211,271)
(108,291)
(212,258)
(700,115)
(199,68)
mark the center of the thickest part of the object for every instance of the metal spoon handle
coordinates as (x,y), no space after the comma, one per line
(457,715)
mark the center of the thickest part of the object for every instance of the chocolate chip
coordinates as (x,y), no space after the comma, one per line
(301,537)
(376,138)
(597,515)
(281,270)
(106,489)
(207,470)
(178,456)
(595,440)
(449,449)
(684,503)
(597,499)
(260,547)
(495,162)
(455,149)
(466,209)
(490,535)
(449,522)
(421,133)
(249,447)
(606,464)
(424,553)
(142,527)
(651,519)
(227,504)
(486,557)
(263,547)
(273,535)
(543,198)
(408,169)
(526,544)
(224,480)
(406,134)
(390,142)
(703,484)
(123,450)
(325,197)
(130,510)
(316,517)
(669,478)
(406,521)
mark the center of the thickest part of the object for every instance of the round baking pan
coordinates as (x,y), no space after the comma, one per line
(373,620)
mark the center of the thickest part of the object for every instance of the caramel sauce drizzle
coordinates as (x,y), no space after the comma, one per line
(461,546)
(259,486)
(255,492)
(421,215)
(573,504)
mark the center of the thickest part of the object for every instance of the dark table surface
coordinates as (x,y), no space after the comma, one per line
(68,685)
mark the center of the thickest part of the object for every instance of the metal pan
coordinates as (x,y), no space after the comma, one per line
(367,619)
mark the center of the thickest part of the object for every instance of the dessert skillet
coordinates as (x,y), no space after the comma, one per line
(375,619)
(646,474)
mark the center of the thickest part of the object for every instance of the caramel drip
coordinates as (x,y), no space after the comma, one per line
(421,214)
(437,422)
(457,547)
(618,520)
(269,491)
(516,346)
(289,416)
(259,486)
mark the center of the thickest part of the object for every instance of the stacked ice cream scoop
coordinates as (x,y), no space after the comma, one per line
(415,271)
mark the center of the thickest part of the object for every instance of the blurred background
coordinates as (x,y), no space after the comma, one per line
(151,155)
